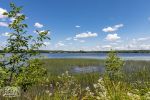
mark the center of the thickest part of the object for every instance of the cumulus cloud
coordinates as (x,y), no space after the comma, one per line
(6,34)
(77,26)
(41,31)
(60,44)
(3,24)
(47,43)
(86,35)
(106,46)
(1,13)
(38,25)
(112,37)
(112,29)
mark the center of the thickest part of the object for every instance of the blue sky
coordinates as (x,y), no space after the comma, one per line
(86,24)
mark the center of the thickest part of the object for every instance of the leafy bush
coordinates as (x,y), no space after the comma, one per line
(35,73)
(20,67)
(113,65)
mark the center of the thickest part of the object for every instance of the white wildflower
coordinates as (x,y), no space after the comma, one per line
(47,91)
(87,88)
(100,80)
(95,85)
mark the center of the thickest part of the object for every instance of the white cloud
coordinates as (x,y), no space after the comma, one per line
(38,25)
(3,24)
(118,26)
(138,47)
(1,13)
(78,40)
(112,37)
(3,44)
(77,26)
(109,29)
(42,31)
(60,44)
(6,34)
(12,19)
(69,38)
(114,43)
(143,39)
(86,35)
(112,29)
(47,43)
(107,46)
(144,46)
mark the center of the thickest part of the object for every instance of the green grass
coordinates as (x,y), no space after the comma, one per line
(58,66)
(133,70)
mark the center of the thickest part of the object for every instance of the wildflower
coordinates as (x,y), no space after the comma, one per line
(91,93)
(147,96)
(129,94)
(98,98)
(67,72)
(87,88)
(133,96)
(50,94)
(100,80)
(47,91)
(59,77)
(95,85)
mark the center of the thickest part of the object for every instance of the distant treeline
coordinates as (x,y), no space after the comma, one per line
(118,51)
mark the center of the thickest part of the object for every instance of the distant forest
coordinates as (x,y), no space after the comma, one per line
(81,51)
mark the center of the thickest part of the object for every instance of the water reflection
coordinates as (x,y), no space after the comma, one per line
(87,69)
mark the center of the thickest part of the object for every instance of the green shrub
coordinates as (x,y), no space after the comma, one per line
(21,67)
(113,65)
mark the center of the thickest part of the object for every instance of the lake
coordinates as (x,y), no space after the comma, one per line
(125,56)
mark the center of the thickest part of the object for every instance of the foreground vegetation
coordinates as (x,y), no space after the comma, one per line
(133,84)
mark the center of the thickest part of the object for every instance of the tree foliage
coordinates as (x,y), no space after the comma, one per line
(20,65)
(113,65)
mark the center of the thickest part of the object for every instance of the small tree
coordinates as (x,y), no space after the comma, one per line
(22,47)
(113,65)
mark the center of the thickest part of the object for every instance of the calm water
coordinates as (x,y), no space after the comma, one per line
(87,69)
(125,56)
(101,69)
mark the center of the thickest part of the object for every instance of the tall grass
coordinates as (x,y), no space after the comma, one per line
(134,85)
